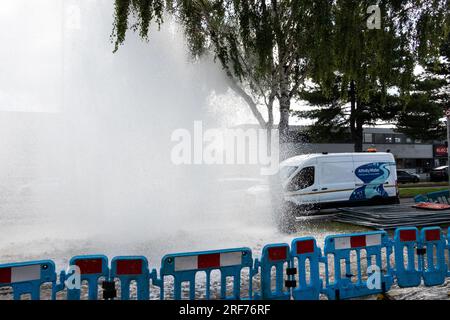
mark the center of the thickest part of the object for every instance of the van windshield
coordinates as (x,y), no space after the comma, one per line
(286,172)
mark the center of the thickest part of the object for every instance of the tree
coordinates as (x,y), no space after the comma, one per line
(267,48)
(422,114)
(421,118)
(332,114)
(327,111)
(417,115)
(372,61)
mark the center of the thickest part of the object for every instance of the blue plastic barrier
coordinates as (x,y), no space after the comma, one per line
(434,244)
(409,276)
(302,250)
(439,196)
(274,256)
(27,277)
(184,266)
(448,251)
(131,268)
(421,198)
(340,247)
(92,268)
(436,196)
(286,271)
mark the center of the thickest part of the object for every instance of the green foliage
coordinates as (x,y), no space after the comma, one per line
(420,119)
(326,108)
(422,114)
(331,113)
(411,31)
(376,61)
(269,48)
(144,13)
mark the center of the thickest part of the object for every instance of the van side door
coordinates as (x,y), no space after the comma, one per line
(336,179)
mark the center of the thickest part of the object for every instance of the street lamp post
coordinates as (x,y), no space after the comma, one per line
(447,114)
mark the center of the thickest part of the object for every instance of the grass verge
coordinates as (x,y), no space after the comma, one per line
(412,192)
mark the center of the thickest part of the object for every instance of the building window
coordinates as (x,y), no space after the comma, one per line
(398,139)
(368,137)
(378,138)
(418,141)
(408,140)
(388,139)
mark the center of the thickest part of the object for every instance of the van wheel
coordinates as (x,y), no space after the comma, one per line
(377,200)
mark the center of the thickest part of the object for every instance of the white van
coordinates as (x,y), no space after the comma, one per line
(339,179)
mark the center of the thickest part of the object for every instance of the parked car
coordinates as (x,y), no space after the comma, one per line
(405,177)
(439,174)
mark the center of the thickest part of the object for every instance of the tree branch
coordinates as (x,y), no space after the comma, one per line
(298,82)
(248,99)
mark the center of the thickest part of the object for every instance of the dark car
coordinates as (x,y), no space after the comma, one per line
(439,174)
(405,177)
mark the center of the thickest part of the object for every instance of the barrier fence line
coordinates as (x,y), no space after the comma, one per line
(286,271)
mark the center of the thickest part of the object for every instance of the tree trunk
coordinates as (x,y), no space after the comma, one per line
(283,127)
(356,129)
(358,133)
(285,106)
(269,126)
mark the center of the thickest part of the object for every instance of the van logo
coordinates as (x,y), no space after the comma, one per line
(372,171)
(374,175)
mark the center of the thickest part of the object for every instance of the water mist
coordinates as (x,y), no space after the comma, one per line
(89,170)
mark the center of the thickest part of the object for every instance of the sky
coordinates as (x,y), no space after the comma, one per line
(31,59)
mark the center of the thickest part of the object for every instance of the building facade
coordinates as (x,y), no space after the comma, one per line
(413,155)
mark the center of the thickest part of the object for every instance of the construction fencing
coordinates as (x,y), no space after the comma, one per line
(349,266)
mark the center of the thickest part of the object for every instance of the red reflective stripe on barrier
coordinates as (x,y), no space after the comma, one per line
(129,267)
(351,242)
(408,235)
(209,261)
(90,266)
(277,253)
(306,246)
(20,273)
(5,275)
(358,241)
(433,235)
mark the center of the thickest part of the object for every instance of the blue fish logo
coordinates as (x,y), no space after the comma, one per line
(374,175)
